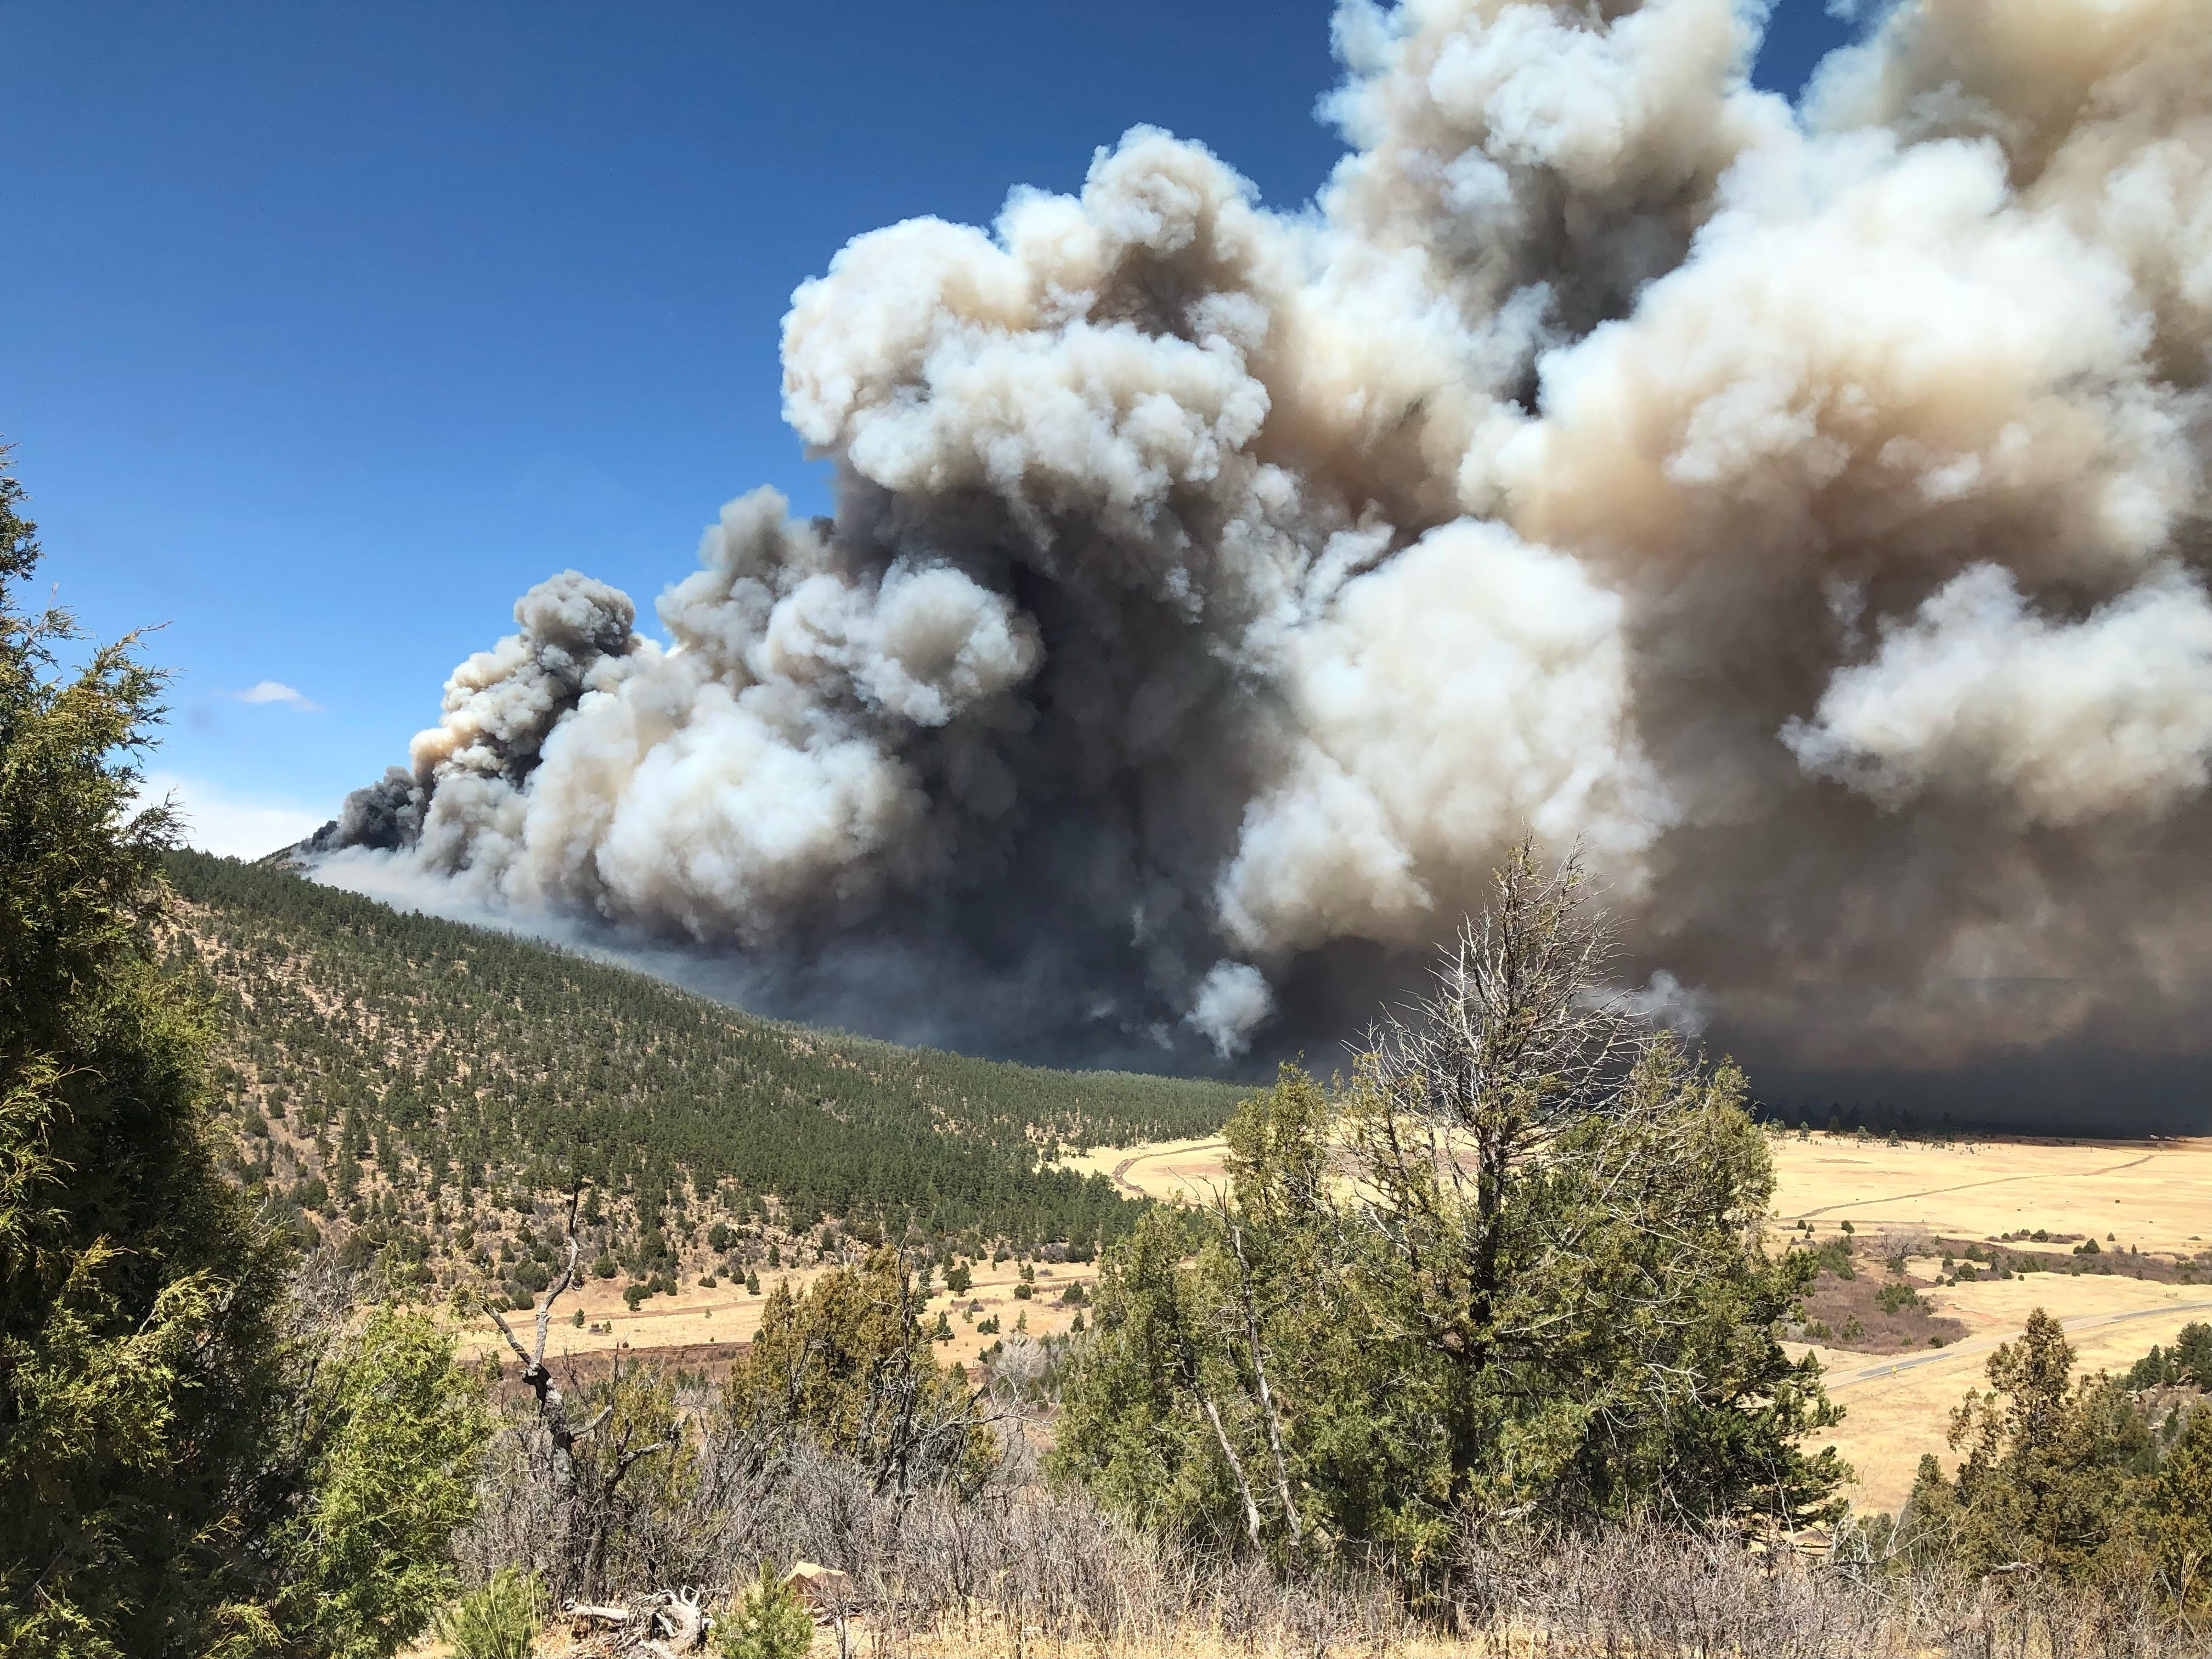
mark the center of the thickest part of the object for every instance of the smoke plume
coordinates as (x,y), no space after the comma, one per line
(1802,510)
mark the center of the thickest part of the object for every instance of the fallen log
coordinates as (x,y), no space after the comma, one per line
(603,1615)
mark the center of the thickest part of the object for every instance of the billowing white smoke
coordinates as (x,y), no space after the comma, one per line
(1803,510)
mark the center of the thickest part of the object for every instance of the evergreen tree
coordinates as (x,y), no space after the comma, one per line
(192,1461)
(850,1362)
(393,1442)
(138,1353)
(2066,1475)
(1540,1295)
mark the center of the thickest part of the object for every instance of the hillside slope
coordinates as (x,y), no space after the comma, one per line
(413,1077)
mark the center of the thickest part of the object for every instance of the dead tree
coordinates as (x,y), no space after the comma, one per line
(663,1626)
(565,1435)
(552,1408)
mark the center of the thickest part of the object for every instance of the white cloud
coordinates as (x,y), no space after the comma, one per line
(277,691)
(217,821)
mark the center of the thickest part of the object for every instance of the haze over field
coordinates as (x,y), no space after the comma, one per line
(1803,511)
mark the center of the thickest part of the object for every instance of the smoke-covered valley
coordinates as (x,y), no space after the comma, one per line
(1803,511)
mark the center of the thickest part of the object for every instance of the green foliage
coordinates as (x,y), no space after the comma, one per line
(497,1621)
(959,1279)
(190,1463)
(638,1465)
(1834,1255)
(139,1360)
(2172,1518)
(1895,1298)
(2067,1476)
(2187,1363)
(1540,1295)
(398,1432)
(828,1361)
(769,1620)
(1404,1398)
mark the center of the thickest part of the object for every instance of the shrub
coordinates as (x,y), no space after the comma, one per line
(825,1362)
(393,1472)
(769,1620)
(498,1621)
(2064,1473)
(1896,1298)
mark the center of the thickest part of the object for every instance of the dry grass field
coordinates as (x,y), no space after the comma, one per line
(1186,1170)
(2153,1196)
(696,1318)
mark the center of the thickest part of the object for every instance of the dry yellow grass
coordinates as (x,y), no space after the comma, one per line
(728,1315)
(989,1637)
(1186,1170)
(2154,1194)
(999,1642)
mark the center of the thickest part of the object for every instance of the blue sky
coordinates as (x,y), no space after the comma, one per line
(325,331)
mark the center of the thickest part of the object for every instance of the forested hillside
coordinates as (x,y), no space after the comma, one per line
(416,1077)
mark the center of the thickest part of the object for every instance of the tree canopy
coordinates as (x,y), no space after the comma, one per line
(2070,1476)
(1512,1272)
(136,1297)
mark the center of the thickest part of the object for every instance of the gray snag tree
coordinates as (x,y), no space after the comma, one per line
(581,1506)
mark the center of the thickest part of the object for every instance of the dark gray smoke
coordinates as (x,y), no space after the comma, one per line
(1804,514)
